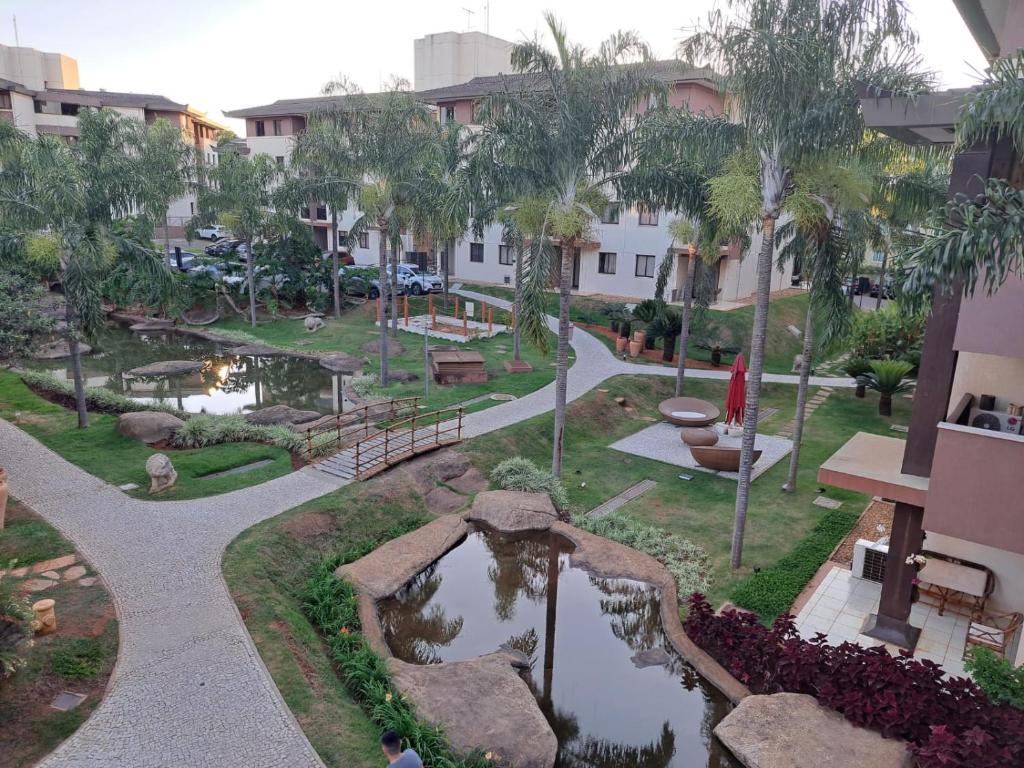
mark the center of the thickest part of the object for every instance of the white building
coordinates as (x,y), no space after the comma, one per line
(449,58)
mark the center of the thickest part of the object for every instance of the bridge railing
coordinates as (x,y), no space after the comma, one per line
(404,439)
(330,434)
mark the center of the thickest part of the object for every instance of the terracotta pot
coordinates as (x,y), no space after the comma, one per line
(3,496)
(640,336)
(621,343)
(635,347)
(45,622)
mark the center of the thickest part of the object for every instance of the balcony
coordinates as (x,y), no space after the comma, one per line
(872,465)
(977,489)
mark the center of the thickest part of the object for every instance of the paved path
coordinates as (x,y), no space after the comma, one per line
(189,688)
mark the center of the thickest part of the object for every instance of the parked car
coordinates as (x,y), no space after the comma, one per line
(356,284)
(418,282)
(227,246)
(345,259)
(213,232)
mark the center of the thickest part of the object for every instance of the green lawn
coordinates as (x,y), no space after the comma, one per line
(357,328)
(710,327)
(116,459)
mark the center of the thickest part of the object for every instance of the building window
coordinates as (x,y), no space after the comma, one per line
(448,115)
(610,215)
(5,100)
(279,159)
(476,252)
(364,239)
(606,263)
(70,110)
(261,129)
(877,257)
(321,213)
(644,266)
(504,255)
(648,218)
(277,127)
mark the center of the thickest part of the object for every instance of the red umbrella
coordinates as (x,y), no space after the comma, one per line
(736,399)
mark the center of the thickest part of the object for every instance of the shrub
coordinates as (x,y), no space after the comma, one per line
(97,398)
(521,474)
(997,677)
(203,429)
(77,658)
(688,563)
(770,591)
(333,606)
(950,723)
(15,626)
(365,386)
(887,334)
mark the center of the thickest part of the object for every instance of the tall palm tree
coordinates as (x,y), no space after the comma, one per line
(168,171)
(563,132)
(791,68)
(71,192)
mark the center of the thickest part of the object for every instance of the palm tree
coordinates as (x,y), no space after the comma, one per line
(887,378)
(168,171)
(240,192)
(563,136)
(791,69)
(71,192)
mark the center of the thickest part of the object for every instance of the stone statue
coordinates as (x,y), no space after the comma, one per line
(161,473)
(798,363)
(313,323)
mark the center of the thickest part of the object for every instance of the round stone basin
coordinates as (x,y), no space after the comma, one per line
(613,689)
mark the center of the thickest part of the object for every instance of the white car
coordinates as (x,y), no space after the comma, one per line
(418,282)
(213,232)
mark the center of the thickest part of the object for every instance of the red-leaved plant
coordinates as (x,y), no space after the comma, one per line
(949,723)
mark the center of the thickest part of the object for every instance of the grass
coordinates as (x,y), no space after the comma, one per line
(118,460)
(357,328)
(702,509)
(79,656)
(266,569)
(730,328)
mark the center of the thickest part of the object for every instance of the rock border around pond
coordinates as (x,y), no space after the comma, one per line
(527,740)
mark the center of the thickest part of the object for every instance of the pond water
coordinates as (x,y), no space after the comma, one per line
(228,383)
(582,634)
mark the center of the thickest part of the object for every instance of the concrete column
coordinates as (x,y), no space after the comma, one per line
(891,624)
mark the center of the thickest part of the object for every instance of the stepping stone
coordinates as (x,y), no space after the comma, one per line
(37,585)
(827,503)
(56,564)
(128,487)
(51,575)
(17,573)
(622,499)
(65,701)
(795,331)
(899,428)
(74,572)
(88,581)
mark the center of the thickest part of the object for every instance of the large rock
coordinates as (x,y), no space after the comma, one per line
(482,704)
(280,414)
(438,467)
(161,473)
(512,511)
(339,362)
(443,501)
(313,323)
(166,368)
(792,730)
(386,570)
(471,481)
(57,350)
(148,426)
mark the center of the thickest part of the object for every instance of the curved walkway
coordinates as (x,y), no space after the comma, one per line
(189,688)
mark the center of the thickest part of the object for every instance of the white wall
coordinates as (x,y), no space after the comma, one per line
(980,374)
(24,111)
(450,58)
(37,69)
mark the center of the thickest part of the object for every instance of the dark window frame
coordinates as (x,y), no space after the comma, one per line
(505,256)
(602,262)
(649,265)
(611,214)
(277,127)
(261,127)
(476,253)
(647,218)
(364,240)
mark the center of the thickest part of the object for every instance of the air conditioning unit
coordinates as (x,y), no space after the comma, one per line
(995,421)
(508,280)
(869,560)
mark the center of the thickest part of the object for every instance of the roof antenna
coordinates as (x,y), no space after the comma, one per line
(487,17)
(469,18)
(14,18)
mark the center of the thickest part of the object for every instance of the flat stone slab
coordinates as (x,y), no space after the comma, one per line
(57,350)
(65,701)
(826,503)
(55,564)
(472,481)
(260,350)
(792,730)
(616,502)
(152,324)
(661,442)
(513,511)
(386,570)
(166,368)
(342,363)
(483,704)
(280,414)
(74,572)
(443,501)
(37,585)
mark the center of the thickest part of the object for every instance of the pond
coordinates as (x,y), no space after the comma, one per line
(614,691)
(228,383)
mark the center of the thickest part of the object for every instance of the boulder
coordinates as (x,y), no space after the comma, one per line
(438,467)
(313,323)
(342,363)
(280,414)
(161,473)
(166,368)
(57,350)
(483,704)
(511,511)
(148,426)
(442,501)
(792,730)
(471,481)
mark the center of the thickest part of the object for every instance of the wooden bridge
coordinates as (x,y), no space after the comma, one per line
(353,445)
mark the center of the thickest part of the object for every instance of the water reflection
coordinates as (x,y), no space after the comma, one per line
(227,383)
(606,710)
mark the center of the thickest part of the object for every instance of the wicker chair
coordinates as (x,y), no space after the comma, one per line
(994,631)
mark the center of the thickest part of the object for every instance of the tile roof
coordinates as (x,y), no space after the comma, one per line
(302,106)
(110,99)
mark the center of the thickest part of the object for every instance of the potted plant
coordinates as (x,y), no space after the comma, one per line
(887,378)
(621,342)
(855,368)
(635,346)
(666,326)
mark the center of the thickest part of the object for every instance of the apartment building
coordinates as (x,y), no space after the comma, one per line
(40,94)
(954,479)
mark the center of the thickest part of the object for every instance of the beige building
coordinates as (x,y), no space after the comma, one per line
(40,94)
(450,58)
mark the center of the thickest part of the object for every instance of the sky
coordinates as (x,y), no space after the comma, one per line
(227,54)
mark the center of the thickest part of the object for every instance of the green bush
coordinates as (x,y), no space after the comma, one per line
(887,334)
(520,474)
(95,397)
(998,678)
(365,387)
(203,429)
(78,658)
(333,606)
(15,627)
(771,591)
(688,563)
